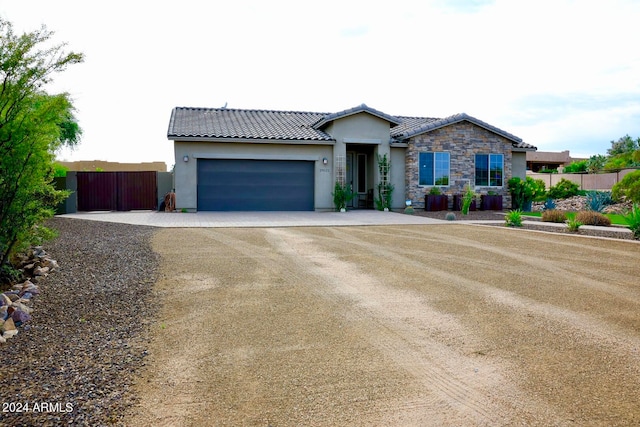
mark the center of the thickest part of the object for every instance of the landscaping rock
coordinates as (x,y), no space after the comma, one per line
(15,310)
(72,351)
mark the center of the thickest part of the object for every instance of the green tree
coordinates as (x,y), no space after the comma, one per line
(596,163)
(577,166)
(624,145)
(33,125)
(628,188)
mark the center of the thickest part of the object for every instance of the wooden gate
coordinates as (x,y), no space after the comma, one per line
(117,191)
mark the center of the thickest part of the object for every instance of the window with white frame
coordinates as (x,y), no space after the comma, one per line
(434,168)
(489,170)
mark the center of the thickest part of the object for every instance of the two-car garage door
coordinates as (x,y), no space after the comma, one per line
(255,185)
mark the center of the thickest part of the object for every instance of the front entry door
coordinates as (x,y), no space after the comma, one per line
(357,176)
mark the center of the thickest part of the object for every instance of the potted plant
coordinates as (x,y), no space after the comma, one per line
(491,201)
(342,195)
(434,200)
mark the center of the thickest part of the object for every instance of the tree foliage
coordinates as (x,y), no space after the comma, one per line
(33,125)
(624,145)
(628,188)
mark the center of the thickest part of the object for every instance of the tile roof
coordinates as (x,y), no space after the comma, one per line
(248,124)
(438,123)
(231,123)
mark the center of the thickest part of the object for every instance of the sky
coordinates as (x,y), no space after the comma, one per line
(560,74)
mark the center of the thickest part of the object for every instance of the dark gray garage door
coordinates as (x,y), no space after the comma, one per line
(255,185)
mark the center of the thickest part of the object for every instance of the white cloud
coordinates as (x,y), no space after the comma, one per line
(560,74)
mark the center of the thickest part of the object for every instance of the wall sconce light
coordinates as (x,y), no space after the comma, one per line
(325,161)
(185,158)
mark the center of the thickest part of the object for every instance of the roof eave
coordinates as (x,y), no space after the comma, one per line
(177,138)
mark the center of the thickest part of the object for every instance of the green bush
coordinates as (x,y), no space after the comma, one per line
(564,189)
(633,219)
(525,191)
(553,215)
(573,225)
(574,167)
(592,218)
(628,187)
(513,218)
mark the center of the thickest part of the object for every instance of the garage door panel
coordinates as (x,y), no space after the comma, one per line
(255,185)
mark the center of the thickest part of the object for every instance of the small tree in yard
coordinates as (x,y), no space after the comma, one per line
(33,125)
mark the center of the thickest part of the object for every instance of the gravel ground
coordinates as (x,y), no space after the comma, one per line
(87,343)
(421,325)
(74,362)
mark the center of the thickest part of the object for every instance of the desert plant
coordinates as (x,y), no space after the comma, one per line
(592,218)
(549,204)
(450,216)
(564,189)
(573,224)
(553,215)
(598,200)
(467,199)
(628,187)
(513,218)
(632,218)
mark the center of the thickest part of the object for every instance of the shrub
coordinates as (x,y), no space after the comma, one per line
(523,192)
(450,216)
(633,219)
(598,200)
(592,218)
(573,225)
(574,167)
(553,215)
(513,218)
(467,199)
(564,189)
(435,191)
(628,187)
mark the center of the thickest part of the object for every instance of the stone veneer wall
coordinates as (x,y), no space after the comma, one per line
(462,140)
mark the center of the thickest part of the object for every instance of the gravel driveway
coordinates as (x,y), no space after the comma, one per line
(393,325)
(377,325)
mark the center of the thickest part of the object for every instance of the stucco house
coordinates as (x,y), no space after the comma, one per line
(243,160)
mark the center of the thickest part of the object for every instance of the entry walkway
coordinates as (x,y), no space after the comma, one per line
(255,219)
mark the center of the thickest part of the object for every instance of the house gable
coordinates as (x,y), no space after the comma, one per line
(435,124)
(329,118)
(462,139)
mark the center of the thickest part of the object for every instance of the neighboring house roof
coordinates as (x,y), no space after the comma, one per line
(227,123)
(550,157)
